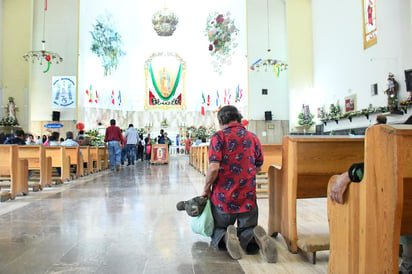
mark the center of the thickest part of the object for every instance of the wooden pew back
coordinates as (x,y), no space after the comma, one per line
(96,161)
(104,155)
(307,164)
(15,169)
(59,159)
(36,157)
(365,230)
(272,154)
(75,159)
(87,159)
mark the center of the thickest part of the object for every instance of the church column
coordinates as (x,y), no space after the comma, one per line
(16,40)
(300,54)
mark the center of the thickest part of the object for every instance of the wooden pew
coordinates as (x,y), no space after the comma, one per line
(87,159)
(365,230)
(37,160)
(96,162)
(59,159)
(104,157)
(204,159)
(272,156)
(76,159)
(307,164)
(13,171)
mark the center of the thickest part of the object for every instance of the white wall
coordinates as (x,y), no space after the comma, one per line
(342,67)
(141,41)
(277,98)
(61,37)
(1,44)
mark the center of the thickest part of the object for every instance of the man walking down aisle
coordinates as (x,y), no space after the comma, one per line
(132,138)
(114,140)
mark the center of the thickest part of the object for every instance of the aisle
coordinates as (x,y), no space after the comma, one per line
(122,222)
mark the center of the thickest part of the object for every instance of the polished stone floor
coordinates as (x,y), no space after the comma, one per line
(123,222)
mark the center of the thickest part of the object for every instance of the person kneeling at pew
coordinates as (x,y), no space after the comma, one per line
(235,156)
(355,174)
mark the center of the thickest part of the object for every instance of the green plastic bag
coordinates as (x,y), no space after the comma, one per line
(204,224)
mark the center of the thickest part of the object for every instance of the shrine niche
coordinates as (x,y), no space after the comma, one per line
(165,81)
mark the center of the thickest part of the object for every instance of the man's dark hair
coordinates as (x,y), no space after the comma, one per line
(130,125)
(69,135)
(112,122)
(19,133)
(228,114)
(54,136)
(81,131)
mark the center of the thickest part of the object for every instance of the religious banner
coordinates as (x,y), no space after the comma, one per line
(159,154)
(370,37)
(64,91)
(165,81)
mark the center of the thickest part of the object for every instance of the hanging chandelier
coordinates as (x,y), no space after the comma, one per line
(269,64)
(43,55)
(164,22)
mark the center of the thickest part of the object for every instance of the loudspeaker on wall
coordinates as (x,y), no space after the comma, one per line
(56,116)
(268,115)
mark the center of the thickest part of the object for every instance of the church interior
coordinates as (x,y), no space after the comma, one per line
(301,72)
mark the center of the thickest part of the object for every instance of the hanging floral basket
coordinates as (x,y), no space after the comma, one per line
(221,33)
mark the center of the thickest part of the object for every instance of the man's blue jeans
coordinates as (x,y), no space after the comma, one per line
(115,153)
(131,153)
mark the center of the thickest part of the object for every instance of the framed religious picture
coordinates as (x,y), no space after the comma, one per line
(370,37)
(165,81)
(350,103)
(159,154)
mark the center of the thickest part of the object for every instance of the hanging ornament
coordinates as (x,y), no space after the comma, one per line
(48,58)
(80,126)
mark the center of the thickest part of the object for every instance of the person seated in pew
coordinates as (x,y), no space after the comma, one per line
(17,139)
(30,139)
(380,119)
(69,140)
(54,141)
(355,174)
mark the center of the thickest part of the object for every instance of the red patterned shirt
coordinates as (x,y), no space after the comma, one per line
(239,153)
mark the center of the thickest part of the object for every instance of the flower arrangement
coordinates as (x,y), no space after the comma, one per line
(191,129)
(405,103)
(202,132)
(96,140)
(210,131)
(335,115)
(8,122)
(141,131)
(305,118)
(164,123)
(107,44)
(221,33)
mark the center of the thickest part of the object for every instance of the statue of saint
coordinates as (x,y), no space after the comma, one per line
(392,93)
(11,109)
(165,88)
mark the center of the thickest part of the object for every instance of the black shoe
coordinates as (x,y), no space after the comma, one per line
(266,244)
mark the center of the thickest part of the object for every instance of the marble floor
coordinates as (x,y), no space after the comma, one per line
(127,222)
